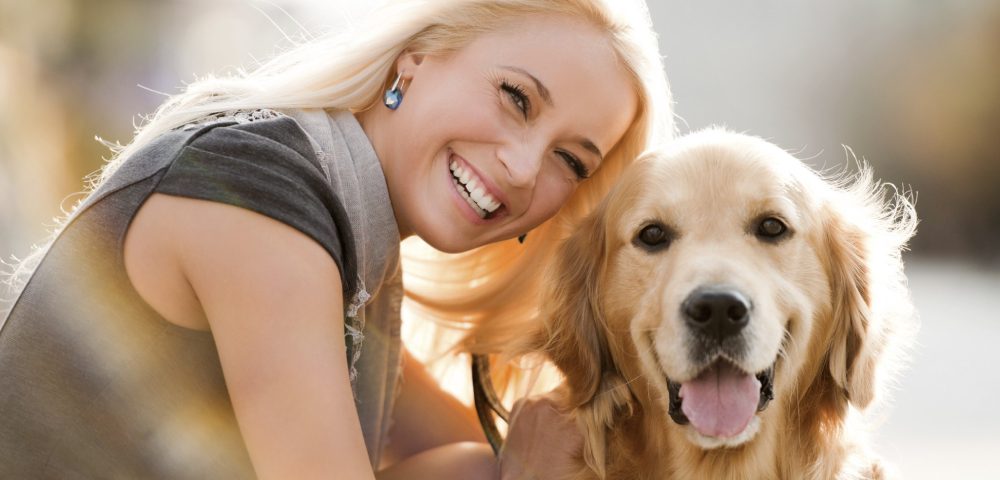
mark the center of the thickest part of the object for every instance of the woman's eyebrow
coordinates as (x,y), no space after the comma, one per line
(589,146)
(584,142)
(542,91)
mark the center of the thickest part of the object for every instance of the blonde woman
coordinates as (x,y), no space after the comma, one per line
(225,302)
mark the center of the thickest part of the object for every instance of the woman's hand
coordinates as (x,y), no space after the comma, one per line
(542,443)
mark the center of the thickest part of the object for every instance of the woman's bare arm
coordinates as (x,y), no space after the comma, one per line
(273,300)
(272,297)
(425,416)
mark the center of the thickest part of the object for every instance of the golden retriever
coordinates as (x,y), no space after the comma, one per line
(725,311)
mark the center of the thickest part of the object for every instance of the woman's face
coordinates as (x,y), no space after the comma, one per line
(492,140)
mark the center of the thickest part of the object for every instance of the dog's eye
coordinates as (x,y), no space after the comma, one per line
(771,228)
(653,236)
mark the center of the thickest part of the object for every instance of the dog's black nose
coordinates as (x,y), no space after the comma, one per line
(716,312)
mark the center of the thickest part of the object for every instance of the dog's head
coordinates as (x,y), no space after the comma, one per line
(719,276)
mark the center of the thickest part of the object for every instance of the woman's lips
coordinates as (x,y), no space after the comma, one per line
(478,197)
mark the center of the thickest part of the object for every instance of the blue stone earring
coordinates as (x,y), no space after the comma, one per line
(393,96)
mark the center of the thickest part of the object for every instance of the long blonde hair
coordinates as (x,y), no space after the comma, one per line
(349,70)
(494,287)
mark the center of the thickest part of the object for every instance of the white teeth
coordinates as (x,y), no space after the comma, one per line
(477,195)
(472,185)
(474,193)
(475,207)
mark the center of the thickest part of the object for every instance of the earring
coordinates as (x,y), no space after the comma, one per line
(521,237)
(394,96)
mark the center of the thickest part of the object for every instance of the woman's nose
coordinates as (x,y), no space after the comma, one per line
(523,162)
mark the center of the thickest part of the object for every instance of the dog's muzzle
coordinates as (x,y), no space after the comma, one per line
(722,399)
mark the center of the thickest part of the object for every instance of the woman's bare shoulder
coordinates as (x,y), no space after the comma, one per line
(272,297)
(174,242)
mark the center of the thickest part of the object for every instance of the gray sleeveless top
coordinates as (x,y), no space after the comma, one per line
(95,384)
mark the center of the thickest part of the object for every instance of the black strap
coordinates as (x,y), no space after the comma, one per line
(487,402)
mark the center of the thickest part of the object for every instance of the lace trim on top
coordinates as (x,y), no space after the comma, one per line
(354,324)
(238,116)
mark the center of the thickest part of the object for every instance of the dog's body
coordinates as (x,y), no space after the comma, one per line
(724,311)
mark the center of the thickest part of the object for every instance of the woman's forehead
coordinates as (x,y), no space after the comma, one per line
(572,64)
(547,38)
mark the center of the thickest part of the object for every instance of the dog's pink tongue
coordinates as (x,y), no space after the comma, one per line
(721,401)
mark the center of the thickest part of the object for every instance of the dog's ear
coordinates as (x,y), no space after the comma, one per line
(598,416)
(852,359)
(576,336)
(866,232)
(574,333)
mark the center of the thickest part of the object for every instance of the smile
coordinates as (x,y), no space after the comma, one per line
(472,190)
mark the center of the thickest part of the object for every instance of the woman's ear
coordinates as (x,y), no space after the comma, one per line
(408,63)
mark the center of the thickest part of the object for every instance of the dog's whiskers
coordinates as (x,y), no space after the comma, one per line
(786,340)
(787,345)
(627,382)
(624,384)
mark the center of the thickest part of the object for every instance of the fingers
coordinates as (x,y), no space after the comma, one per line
(542,442)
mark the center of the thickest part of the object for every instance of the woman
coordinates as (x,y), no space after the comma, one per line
(225,303)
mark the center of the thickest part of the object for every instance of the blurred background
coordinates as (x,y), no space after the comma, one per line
(911,86)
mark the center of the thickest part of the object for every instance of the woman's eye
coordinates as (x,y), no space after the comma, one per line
(517,96)
(574,164)
(771,228)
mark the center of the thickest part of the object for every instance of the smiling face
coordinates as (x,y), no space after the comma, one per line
(740,299)
(731,277)
(492,140)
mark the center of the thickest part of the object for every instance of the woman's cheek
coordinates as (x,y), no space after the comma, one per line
(555,191)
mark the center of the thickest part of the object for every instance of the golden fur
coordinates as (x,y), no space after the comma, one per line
(830,311)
